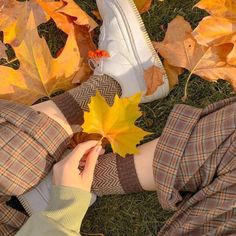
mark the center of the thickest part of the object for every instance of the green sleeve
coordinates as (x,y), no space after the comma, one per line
(63,216)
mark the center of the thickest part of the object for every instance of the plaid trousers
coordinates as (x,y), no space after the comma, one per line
(195,170)
(24,162)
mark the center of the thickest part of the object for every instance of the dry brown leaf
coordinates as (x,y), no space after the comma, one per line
(173,73)
(3,50)
(83,74)
(81,137)
(180,49)
(143,5)
(39,74)
(154,78)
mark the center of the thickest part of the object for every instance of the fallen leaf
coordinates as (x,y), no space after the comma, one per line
(222,8)
(96,13)
(79,16)
(143,5)
(180,49)
(215,31)
(116,123)
(3,50)
(66,13)
(173,73)
(14,18)
(39,74)
(154,78)
(83,74)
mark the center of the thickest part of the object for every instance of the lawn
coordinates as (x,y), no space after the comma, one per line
(140,214)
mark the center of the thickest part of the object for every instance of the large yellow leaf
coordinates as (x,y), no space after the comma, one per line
(222,8)
(39,73)
(180,49)
(116,123)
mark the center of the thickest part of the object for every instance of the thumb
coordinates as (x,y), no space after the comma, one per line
(91,162)
(81,149)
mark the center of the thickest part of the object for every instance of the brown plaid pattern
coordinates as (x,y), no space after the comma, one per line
(25,161)
(195,170)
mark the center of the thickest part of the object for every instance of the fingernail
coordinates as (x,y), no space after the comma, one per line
(98,149)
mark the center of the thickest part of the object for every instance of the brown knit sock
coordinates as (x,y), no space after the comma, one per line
(115,175)
(75,101)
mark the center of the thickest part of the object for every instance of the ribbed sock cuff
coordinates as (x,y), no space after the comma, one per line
(115,175)
(74,102)
(127,174)
(71,110)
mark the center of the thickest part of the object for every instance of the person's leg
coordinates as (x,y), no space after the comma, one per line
(117,175)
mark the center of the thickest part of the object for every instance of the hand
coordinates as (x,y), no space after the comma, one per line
(66,171)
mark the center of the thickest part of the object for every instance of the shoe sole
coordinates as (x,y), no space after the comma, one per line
(163,90)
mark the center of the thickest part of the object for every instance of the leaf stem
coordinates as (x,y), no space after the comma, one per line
(100,141)
(190,75)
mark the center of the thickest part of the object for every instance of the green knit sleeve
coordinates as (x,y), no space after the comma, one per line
(63,216)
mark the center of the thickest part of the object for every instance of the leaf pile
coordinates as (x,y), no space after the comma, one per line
(40,74)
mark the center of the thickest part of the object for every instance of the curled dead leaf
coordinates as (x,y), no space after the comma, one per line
(154,78)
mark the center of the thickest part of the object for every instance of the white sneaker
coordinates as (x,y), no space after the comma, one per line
(124,36)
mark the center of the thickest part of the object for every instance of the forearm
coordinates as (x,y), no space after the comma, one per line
(64,214)
(50,109)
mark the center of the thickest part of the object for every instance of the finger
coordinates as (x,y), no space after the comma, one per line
(80,150)
(91,162)
(102,152)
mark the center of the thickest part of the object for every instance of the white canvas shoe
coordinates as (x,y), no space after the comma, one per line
(124,36)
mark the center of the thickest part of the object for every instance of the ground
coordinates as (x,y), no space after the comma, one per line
(140,214)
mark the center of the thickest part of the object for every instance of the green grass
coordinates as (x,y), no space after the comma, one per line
(141,214)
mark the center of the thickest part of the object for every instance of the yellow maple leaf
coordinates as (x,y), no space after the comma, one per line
(39,74)
(116,123)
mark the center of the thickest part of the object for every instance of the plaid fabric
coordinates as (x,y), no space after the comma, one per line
(23,160)
(195,170)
